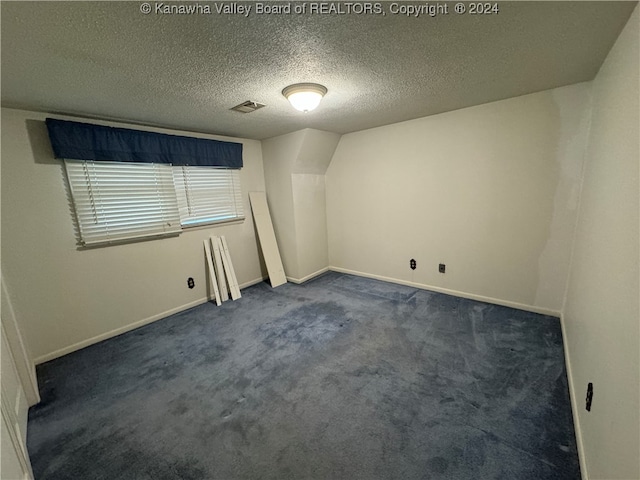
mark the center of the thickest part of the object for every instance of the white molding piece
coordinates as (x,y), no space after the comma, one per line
(16,443)
(267,238)
(574,402)
(455,293)
(298,281)
(212,272)
(132,326)
(24,364)
(14,416)
(222,283)
(228,267)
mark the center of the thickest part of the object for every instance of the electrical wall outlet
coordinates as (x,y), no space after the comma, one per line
(589,396)
(412,264)
(442,267)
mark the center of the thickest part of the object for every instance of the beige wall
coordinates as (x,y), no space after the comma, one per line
(601,315)
(310,218)
(295,166)
(279,155)
(491,191)
(64,297)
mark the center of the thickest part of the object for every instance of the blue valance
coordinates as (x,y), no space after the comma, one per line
(84,141)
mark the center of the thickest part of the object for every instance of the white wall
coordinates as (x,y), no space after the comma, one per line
(310,216)
(491,191)
(601,314)
(65,297)
(295,166)
(279,154)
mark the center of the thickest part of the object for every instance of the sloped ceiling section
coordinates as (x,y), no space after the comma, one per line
(185,71)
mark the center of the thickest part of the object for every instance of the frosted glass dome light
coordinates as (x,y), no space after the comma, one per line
(304,96)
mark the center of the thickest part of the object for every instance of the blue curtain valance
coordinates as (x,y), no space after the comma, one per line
(84,141)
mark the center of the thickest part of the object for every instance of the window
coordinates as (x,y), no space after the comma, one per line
(208,195)
(116,201)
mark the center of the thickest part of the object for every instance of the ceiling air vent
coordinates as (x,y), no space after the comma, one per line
(248,107)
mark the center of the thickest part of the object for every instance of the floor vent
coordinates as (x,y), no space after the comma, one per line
(248,107)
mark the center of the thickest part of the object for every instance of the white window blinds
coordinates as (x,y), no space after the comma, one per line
(208,195)
(118,201)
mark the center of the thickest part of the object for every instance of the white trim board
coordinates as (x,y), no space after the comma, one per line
(574,403)
(267,238)
(228,268)
(132,326)
(222,283)
(212,272)
(455,293)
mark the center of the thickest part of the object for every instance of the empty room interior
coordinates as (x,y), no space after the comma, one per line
(304,240)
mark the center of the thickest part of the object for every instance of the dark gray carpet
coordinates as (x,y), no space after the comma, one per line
(340,378)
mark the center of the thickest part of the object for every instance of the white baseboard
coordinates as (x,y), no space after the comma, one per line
(129,327)
(456,293)
(298,281)
(252,282)
(574,403)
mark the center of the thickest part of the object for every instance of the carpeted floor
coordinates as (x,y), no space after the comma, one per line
(340,378)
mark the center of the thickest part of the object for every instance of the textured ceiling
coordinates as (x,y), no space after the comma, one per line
(108,60)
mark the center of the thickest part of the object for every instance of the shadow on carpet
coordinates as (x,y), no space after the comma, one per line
(340,378)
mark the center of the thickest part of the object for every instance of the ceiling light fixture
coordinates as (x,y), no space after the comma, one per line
(304,96)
